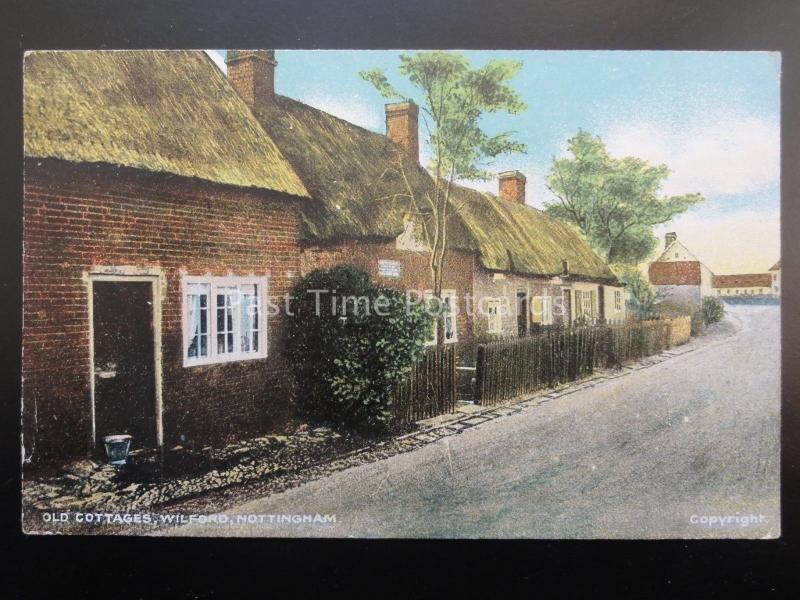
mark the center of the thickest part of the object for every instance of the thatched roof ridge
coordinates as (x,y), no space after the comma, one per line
(161,111)
(356,175)
(515,237)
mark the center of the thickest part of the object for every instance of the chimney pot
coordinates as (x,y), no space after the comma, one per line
(402,127)
(252,75)
(564,266)
(669,238)
(512,186)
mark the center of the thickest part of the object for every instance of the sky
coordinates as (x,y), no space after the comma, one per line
(712,117)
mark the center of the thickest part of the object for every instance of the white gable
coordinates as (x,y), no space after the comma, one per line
(676,252)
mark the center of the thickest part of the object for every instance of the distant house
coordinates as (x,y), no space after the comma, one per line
(679,275)
(775,274)
(509,266)
(159,216)
(752,284)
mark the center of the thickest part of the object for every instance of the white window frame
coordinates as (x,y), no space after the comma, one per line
(432,341)
(213,285)
(546,316)
(617,299)
(494,322)
(547,310)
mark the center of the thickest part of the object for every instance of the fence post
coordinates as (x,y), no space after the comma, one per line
(480,357)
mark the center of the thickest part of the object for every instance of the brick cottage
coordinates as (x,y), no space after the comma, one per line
(162,210)
(152,199)
(508,264)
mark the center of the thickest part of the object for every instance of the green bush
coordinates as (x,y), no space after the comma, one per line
(349,341)
(712,310)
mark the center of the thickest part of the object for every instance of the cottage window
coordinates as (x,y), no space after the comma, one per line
(449,311)
(493,316)
(585,304)
(450,330)
(223,319)
(617,300)
(542,310)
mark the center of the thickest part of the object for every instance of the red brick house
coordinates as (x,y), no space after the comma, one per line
(508,264)
(158,218)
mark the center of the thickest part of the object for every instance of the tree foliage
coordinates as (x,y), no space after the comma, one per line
(712,310)
(643,296)
(349,341)
(614,202)
(453,96)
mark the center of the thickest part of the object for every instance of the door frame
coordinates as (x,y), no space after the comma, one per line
(155,281)
(523,297)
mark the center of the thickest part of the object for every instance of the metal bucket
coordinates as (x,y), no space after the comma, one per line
(117,447)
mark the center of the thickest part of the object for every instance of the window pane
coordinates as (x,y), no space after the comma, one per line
(249,317)
(197,319)
(225,326)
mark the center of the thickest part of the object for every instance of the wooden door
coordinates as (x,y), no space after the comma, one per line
(124,361)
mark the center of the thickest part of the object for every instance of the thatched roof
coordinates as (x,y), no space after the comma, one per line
(356,175)
(162,111)
(515,237)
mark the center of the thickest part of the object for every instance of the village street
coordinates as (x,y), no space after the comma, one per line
(655,454)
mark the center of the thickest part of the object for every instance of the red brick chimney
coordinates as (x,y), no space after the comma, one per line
(402,127)
(252,75)
(512,186)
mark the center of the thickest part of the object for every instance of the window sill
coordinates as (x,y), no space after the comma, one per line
(206,362)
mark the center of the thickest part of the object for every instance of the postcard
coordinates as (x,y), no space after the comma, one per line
(401,294)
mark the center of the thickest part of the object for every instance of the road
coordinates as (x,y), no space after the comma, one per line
(654,454)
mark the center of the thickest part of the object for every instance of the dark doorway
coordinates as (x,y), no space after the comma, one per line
(566,311)
(601,303)
(124,373)
(522,314)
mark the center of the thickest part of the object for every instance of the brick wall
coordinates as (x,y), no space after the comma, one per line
(414,275)
(78,219)
(505,286)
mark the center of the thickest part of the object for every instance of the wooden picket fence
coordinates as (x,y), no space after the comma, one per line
(430,389)
(509,368)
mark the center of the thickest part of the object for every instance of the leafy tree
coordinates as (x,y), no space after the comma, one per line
(614,202)
(643,295)
(454,96)
(349,341)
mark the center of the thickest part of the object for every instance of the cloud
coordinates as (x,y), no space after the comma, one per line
(722,155)
(351,108)
(218,58)
(741,241)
